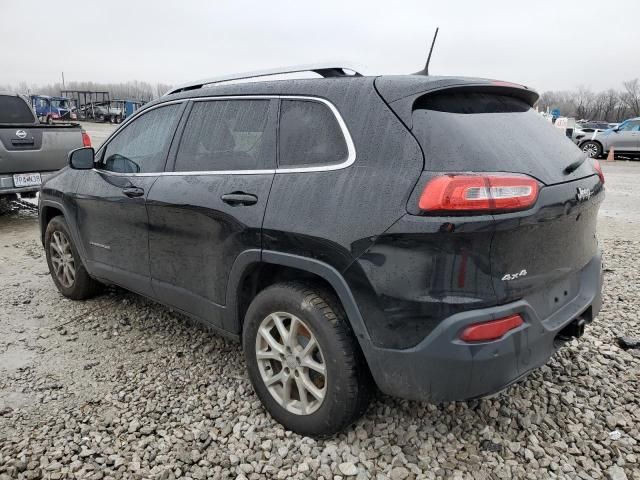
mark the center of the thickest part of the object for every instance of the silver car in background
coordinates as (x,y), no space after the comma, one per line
(624,139)
(585,130)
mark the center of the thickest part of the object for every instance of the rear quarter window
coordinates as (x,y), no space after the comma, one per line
(14,110)
(310,135)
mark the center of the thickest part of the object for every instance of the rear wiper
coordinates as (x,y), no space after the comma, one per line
(572,167)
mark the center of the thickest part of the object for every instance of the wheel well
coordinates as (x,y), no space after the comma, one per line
(47,215)
(263,275)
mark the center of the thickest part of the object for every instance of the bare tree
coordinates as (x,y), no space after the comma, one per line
(611,99)
(609,105)
(631,96)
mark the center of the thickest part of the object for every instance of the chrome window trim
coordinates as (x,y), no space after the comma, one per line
(351,149)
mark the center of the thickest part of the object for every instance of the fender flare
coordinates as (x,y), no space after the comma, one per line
(249,258)
(70,219)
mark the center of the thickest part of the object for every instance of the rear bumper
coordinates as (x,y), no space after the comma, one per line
(7,185)
(443,368)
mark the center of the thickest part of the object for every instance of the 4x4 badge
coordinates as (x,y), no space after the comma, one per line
(583,194)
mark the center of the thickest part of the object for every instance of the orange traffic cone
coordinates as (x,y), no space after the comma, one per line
(611,156)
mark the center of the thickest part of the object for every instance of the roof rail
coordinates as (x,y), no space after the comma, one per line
(325,70)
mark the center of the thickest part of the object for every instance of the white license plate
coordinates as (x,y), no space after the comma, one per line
(26,179)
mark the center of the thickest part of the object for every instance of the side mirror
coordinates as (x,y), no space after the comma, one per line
(82,158)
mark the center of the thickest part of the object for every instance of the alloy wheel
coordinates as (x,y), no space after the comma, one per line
(62,259)
(291,363)
(591,150)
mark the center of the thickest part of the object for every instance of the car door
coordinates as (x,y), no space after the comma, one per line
(627,137)
(210,209)
(111,213)
(635,132)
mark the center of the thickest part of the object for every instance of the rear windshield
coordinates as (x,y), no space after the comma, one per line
(480,131)
(13,109)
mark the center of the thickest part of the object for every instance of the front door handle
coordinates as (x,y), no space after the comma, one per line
(239,198)
(133,192)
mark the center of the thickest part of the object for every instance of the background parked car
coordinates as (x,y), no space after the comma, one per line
(31,152)
(585,130)
(624,139)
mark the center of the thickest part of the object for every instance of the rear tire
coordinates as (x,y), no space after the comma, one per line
(304,399)
(65,266)
(592,149)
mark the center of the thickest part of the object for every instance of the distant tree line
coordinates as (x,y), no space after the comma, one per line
(610,105)
(131,90)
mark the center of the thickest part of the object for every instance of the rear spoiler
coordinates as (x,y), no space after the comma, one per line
(401,93)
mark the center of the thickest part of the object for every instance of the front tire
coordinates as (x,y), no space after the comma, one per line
(65,266)
(592,149)
(303,360)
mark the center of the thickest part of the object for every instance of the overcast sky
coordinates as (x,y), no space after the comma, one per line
(542,44)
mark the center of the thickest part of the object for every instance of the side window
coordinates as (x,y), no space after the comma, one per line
(223,135)
(309,135)
(630,126)
(141,146)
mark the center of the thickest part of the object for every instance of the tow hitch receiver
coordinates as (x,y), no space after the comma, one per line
(574,330)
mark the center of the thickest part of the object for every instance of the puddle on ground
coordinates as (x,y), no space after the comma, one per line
(16,357)
(14,400)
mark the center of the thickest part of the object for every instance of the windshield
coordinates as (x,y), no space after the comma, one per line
(60,103)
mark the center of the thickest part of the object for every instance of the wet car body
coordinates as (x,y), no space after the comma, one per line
(410,281)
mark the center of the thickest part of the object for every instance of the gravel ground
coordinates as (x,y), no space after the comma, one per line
(98,131)
(119,387)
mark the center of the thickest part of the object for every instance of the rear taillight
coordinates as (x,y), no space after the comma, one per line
(598,169)
(492,193)
(86,139)
(491,330)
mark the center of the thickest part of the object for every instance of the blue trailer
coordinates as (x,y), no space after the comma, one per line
(129,107)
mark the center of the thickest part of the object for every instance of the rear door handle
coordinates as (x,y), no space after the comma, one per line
(133,192)
(239,198)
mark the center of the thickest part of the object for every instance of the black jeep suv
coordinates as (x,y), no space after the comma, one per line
(431,236)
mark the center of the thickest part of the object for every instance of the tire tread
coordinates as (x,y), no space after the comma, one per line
(356,378)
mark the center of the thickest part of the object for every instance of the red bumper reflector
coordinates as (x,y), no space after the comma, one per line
(598,168)
(491,330)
